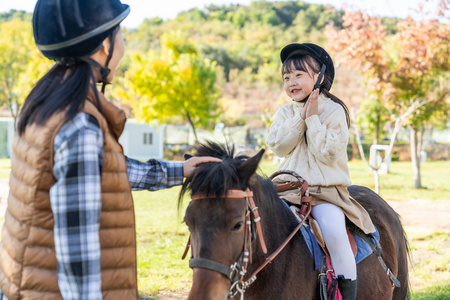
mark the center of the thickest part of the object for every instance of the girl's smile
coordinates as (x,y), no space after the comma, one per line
(298,84)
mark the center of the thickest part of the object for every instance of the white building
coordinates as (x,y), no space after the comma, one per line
(139,141)
(142,141)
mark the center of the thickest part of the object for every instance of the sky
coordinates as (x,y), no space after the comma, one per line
(168,9)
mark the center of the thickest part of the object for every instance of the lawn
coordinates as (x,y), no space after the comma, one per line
(162,236)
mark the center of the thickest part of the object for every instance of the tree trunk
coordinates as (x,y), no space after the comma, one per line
(358,141)
(415,156)
(377,131)
(377,181)
(193,127)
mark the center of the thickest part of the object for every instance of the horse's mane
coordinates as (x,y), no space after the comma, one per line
(215,179)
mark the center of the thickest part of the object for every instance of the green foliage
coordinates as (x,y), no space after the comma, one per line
(21,63)
(241,37)
(373,116)
(15,14)
(15,42)
(176,82)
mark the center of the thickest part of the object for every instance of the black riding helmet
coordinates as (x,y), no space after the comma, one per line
(71,30)
(315,52)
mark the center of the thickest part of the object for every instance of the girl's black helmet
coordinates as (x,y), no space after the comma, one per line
(75,28)
(315,52)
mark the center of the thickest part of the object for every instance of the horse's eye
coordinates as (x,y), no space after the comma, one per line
(237,226)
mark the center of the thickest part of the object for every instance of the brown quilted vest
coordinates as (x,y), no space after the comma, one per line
(27,252)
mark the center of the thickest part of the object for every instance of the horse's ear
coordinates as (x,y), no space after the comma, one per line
(187,156)
(249,167)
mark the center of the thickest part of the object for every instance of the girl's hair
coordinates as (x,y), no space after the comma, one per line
(306,64)
(64,86)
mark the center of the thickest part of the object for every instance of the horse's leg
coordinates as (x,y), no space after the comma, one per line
(392,240)
(395,252)
(373,283)
(402,292)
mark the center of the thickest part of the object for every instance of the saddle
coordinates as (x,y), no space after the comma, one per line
(291,192)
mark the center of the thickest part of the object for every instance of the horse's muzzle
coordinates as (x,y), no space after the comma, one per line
(209,285)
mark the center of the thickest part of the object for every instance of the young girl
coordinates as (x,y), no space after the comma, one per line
(311,133)
(69,230)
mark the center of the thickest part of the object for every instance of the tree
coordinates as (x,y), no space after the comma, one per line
(15,14)
(373,116)
(408,79)
(174,83)
(15,44)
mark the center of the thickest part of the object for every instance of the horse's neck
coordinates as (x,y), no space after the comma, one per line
(277,225)
(291,266)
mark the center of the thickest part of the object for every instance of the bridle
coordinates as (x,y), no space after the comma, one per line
(240,266)
(236,271)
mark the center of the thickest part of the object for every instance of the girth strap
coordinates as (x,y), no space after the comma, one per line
(377,250)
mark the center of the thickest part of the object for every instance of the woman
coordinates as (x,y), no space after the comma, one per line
(69,230)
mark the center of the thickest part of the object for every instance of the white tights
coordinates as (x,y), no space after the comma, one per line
(332,223)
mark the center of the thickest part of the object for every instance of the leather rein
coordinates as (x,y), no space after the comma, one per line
(236,272)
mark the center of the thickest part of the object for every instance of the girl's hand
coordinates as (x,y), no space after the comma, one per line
(313,104)
(190,164)
(305,108)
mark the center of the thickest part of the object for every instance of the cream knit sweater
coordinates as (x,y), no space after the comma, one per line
(323,160)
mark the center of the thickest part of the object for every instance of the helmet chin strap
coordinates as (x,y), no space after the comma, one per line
(104,70)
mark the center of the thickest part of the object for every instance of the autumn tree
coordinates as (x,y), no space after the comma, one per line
(406,72)
(175,82)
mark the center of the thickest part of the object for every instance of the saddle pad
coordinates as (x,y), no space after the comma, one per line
(364,249)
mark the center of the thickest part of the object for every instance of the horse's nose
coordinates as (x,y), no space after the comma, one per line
(209,285)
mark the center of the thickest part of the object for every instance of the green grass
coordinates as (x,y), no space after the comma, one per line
(435,292)
(162,236)
(5,168)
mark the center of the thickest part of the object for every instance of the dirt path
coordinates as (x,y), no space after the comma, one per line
(423,215)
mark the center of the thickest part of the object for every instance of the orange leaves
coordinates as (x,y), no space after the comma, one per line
(399,69)
(360,46)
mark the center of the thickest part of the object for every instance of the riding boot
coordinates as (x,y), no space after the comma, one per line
(347,287)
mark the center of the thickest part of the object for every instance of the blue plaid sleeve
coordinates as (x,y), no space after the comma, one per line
(154,174)
(76,205)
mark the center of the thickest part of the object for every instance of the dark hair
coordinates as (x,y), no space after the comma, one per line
(306,64)
(62,87)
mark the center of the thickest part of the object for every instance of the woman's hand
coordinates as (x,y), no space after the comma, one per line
(190,164)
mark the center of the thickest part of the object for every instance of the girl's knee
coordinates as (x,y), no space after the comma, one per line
(334,237)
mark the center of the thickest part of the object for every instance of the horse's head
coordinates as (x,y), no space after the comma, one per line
(217,218)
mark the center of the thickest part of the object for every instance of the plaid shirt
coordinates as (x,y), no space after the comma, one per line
(76,202)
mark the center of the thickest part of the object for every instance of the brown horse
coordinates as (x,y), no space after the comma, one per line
(217,223)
